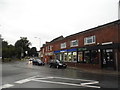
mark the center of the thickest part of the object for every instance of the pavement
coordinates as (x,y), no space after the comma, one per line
(98,71)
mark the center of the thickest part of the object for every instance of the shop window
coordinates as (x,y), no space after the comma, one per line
(94,57)
(61,56)
(74,56)
(65,56)
(80,56)
(108,58)
(58,56)
(87,57)
(70,56)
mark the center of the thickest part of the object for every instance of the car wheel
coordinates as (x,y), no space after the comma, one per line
(50,66)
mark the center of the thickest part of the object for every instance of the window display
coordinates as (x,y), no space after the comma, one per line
(94,57)
(80,56)
(70,56)
(65,57)
(87,57)
(74,56)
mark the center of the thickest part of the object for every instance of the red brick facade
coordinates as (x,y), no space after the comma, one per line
(107,41)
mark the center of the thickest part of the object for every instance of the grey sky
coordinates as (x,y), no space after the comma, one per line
(48,19)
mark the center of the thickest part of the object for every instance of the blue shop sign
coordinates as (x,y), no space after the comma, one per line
(60,51)
(57,51)
(64,50)
(72,50)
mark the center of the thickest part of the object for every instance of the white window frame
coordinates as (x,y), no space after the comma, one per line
(71,43)
(50,48)
(43,50)
(63,45)
(88,38)
(46,48)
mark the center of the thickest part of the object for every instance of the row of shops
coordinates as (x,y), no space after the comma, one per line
(87,49)
(102,55)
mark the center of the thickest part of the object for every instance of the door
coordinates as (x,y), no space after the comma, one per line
(108,58)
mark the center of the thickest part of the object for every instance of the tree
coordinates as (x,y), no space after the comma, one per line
(8,51)
(33,52)
(22,46)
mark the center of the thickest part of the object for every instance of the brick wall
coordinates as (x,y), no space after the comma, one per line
(103,34)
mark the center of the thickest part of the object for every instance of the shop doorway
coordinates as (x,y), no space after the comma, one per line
(108,59)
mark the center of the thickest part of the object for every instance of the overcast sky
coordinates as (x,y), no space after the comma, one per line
(48,19)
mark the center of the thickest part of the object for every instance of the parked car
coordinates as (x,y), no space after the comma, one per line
(57,64)
(38,62)
(31,59)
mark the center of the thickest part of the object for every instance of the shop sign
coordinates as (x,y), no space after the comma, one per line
(50,53)
(63,50)
(71,50)
(57,51)
(60,51)
(82,49)
(107,43)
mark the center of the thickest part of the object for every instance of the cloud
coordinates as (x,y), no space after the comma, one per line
(49,19)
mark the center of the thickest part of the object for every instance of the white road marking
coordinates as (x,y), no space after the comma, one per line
(57,82)
(73,79)
(41,79)
(29,79)
(23,81)
(6,86)
(90,86)
(86,84)
(71,84)
(90,83)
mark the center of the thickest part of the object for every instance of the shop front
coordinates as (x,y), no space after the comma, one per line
(99,56)
(48,56)
(108,56)
(67,55)
(88,55)
(102,55)
(72,55)
(61,55)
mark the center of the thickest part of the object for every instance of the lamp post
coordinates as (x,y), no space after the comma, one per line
(39,45)
(39,41)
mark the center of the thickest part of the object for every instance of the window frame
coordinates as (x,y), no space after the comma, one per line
(63,44)
(71,43)
(93,38)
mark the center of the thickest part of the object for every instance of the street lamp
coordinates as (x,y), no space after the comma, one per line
(39,41)
(39,45)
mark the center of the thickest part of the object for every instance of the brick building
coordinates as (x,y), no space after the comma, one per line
(97,48)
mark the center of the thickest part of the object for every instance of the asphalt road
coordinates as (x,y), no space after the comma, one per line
(21,74)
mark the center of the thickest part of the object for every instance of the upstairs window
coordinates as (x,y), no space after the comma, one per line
(89,40)
(43,50)
(74,43)
(63,45)
(51,48)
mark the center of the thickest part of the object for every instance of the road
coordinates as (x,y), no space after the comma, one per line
(21,74)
